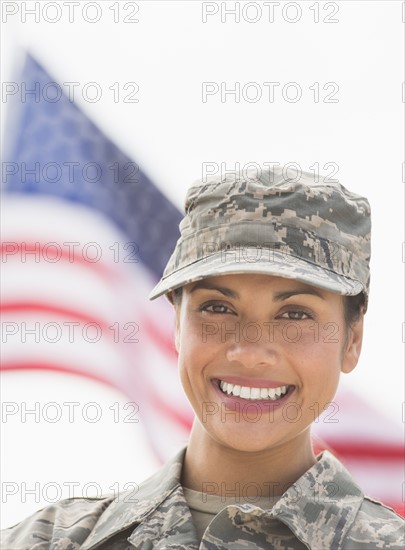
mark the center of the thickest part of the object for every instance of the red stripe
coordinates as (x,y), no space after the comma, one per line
(368,450)
(33,365)
(398,507)
(11,248)
(163,341)
(185,421)
(155,401)
(51,309)
(158,338)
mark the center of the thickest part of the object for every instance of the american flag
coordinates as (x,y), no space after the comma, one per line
(85,237)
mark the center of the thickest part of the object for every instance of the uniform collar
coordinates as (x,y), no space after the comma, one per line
(130,507)
(319,508)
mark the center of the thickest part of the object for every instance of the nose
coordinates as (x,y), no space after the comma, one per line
(253,354)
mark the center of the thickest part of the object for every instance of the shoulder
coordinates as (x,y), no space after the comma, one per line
(376,522)
(70,521)
(334,512)
(76,523)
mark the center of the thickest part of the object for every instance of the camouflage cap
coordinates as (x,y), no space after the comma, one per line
(264,222)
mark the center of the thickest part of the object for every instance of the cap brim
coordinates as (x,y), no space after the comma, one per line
(280,265)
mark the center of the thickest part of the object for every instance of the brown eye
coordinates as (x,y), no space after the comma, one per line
(216,308)
(296,315)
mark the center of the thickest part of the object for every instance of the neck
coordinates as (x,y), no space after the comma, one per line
(212,467)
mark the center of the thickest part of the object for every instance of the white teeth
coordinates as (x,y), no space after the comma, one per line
(245,392)
(253,393)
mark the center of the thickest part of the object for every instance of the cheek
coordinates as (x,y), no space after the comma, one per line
(200,336)
(320,373)
(189,339)
(313,339)
(194,350)
(317,359)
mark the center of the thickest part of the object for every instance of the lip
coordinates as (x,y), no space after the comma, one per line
(237,403)
(252,382)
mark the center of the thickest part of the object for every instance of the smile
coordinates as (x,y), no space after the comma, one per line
(246,392)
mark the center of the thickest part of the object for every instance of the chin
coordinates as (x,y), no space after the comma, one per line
(246,441)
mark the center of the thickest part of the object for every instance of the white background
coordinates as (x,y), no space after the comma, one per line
(171,132)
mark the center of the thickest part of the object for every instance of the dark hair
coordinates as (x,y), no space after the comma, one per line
(352,305)
(175,296)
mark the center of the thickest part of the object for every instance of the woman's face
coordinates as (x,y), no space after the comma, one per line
(279,345)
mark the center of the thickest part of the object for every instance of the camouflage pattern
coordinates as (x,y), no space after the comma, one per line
(316,233)
(323,510)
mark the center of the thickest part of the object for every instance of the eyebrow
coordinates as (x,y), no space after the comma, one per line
(277,297)
(222,289)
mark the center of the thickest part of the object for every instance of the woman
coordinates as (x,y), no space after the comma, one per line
(270,282)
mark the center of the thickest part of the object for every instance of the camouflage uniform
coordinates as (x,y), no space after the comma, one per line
(324,509)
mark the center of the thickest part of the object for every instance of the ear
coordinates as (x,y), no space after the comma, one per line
(351,353)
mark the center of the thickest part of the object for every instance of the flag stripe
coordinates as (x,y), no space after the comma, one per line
(65,256)
(51,309)
(158,404)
